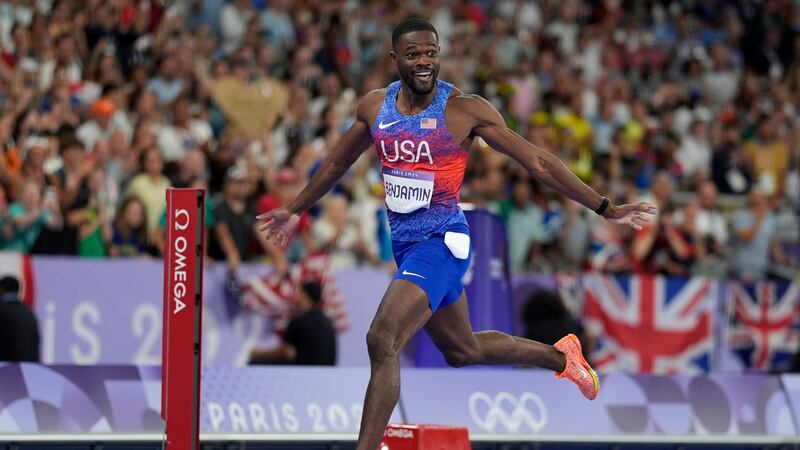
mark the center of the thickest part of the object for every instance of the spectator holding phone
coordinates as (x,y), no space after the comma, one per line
(30,214)
(95,231)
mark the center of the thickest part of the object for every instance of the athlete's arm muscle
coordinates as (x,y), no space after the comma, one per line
(343,155)
(541,164)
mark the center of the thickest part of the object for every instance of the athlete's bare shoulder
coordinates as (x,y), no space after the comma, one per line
(472,109)
(370,105)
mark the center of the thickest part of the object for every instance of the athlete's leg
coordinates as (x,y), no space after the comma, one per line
(452,333)
(403,311)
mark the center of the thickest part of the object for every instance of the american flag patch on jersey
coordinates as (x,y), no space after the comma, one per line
(428,124)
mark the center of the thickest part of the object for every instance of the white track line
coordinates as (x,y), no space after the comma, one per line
(349,437)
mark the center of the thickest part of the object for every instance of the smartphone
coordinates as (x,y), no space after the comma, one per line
(49,195)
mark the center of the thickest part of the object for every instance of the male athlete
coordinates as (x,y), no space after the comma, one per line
(422,129)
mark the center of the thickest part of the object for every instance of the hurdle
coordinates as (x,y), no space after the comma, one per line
(424,437)
(181,340)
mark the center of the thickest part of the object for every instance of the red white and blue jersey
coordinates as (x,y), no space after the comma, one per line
(423,167)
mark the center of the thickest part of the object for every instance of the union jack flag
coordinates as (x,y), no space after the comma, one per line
(763,327)
(650,324)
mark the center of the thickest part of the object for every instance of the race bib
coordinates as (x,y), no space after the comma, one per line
(407,190)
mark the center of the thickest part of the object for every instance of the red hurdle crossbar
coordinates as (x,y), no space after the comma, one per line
(183,293)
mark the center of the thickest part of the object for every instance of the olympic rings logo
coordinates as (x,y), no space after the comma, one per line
(508,410)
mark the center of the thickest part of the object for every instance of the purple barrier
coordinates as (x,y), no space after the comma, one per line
(73,399)
(263,400)
(486,284)
(102,399)
(109,312)
(791,386)
(284,400)
(525,285)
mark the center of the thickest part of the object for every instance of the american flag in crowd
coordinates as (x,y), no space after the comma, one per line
(569,289)
(427,124)
(272,295)
(763,329)
(650,324)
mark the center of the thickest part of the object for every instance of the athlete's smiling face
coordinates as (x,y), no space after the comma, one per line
(417,57)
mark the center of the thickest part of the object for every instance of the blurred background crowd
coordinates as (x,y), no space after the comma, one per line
(691,105)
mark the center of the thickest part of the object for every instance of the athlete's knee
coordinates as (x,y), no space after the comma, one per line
(380,345)
(462,357)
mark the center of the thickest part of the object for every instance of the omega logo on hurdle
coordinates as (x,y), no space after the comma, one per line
(407,151)
(401,433)
(179,273)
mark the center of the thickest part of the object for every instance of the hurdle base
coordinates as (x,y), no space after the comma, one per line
(424,437)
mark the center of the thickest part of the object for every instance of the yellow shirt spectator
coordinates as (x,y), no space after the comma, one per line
(578,132)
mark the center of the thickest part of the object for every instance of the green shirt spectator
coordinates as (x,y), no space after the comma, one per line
(25,231)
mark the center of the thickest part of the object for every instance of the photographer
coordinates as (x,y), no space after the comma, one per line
(668,248)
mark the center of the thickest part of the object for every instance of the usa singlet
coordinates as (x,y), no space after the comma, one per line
(423,167)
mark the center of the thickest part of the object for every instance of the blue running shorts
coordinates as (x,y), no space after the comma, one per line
(436,265)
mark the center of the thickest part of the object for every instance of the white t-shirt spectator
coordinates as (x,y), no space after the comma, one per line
(721,86)
(278,27)
(166,90)
(567,35)
(709,223)
(233,26)
(442,20)
(694,155)
(341,252)
(89,132)
(47,72)
(524,228)
(366,214)
(524,15)
(174,141)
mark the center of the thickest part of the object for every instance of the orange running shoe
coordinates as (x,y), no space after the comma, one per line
(578,370)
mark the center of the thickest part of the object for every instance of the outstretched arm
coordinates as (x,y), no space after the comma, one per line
(343,155)
(546,167)
(280,223)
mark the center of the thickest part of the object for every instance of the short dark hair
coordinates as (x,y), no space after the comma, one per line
(410,25)
(9,285)
(70,143)
(313,290)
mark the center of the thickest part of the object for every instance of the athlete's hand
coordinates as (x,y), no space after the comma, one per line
(635,214)
(279,225)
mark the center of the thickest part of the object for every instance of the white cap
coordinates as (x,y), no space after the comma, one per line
(35,141)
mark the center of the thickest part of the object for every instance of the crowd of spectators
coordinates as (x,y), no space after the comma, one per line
(692,105)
